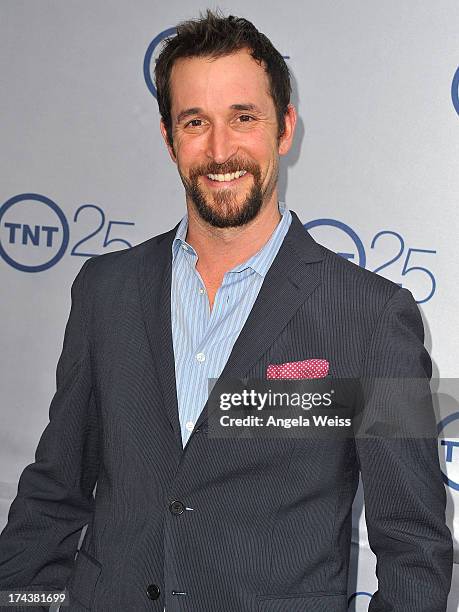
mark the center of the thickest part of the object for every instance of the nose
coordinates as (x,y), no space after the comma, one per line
(221,144)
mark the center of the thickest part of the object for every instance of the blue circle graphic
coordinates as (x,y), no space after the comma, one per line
(149,54)
(65,230)
(440,427)
(455,91)
(347,230)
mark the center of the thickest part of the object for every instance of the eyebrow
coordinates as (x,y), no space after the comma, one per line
(196,110)
(187,113)
(246,107)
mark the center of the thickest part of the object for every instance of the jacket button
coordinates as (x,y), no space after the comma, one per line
(153,591)
(176,507)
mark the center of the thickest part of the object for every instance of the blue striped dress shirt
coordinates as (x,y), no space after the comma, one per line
(203,338)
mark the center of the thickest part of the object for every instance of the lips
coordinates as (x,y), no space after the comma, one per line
(231,174)
(225,181)
(224,178)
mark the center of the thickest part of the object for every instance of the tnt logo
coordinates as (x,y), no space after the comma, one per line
(151,55)
(449,449)
(340,237)
(34,232)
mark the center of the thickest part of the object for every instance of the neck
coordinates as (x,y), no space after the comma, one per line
(220,249)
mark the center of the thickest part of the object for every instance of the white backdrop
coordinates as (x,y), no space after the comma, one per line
(374,171)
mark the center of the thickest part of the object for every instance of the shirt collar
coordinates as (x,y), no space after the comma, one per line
(261,261)
(179,239)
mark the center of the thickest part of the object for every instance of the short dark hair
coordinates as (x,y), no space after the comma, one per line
(214,35)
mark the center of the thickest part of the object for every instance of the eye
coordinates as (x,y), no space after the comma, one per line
(194,123)
(246,118)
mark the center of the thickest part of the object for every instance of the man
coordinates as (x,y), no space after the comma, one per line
(193,522)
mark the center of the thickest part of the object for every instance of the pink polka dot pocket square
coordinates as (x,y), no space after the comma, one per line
(309,368)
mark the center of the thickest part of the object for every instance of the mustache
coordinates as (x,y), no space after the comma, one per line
(228,167)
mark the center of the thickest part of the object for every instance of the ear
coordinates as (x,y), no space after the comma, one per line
(162,127)
(286,140)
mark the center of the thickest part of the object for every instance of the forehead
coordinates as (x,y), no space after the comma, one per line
(213,83)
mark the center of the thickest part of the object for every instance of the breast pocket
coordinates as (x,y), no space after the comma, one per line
(83,580)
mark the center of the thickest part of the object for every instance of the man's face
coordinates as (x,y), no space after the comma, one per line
(225,136)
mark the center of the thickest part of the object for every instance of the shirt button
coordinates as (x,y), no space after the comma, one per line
(153,591)
(201,290)
(189,426)
(200,357)
(176,507)
(184,247)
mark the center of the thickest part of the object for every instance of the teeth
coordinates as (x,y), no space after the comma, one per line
(227,177)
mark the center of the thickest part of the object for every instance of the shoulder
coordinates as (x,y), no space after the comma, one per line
(110,268)
(365,297)
(385,313)
(356,284)
(342,281)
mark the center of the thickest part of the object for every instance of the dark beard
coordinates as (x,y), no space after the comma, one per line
(231,215)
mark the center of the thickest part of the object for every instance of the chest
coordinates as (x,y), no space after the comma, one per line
(211,286)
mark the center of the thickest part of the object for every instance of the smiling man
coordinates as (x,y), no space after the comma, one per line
(183,520)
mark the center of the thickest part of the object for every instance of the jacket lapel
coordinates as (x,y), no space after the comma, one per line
(155,274)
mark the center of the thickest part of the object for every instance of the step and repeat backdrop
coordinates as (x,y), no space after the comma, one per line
(373,174)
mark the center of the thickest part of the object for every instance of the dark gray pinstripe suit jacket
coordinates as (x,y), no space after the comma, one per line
(271,522)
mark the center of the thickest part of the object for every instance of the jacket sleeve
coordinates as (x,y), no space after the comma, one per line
(55,493)
(398,454)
